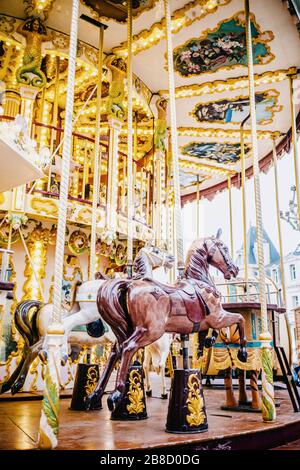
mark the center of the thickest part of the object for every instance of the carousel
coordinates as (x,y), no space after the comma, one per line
(114,115)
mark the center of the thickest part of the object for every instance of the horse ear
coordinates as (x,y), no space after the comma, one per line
(219,233)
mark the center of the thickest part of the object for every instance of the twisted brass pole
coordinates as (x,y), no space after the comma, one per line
(49,422)
(268,404)
(230,216)
(129,142)
(174,143)
(97,160)
(295,147)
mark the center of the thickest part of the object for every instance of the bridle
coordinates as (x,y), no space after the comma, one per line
(151,255)
(211,251)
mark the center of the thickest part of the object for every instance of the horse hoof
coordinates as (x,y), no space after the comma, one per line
(43,356)
(242,355)
(93,403)
(64,359)
(113,399)
(209,342)
(164,396)
(149,393)
(16,388)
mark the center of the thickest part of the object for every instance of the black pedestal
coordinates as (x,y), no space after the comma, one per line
(87,377)
(186,413)
(133,405)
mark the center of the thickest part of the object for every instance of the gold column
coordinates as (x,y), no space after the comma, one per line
(295,146)
(37,249)
(85,175)
(115,127)
(11,102)
(54,132)
(230,216)
(28,95)
(268,404)
(160,135)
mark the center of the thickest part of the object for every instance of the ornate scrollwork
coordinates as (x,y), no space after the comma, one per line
(195,402)
(92,379)
(135,393)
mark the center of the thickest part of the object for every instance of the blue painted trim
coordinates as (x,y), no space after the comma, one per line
(250,344)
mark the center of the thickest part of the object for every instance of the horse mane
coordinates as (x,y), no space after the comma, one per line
(196,266)
(141,266)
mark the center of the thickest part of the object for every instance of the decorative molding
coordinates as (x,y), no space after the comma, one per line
(231,84)
(181,18)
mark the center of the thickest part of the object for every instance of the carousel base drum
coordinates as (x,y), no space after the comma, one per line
(186,413)
(87,377)
(133,404)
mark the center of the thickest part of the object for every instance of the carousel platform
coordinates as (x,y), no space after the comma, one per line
(94,430)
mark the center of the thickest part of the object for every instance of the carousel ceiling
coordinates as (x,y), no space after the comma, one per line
(210,66)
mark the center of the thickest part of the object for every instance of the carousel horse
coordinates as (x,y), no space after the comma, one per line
(140,311)
(33,317)
(227,336)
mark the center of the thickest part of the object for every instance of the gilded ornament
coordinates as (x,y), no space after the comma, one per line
(92,380)
(78,242)
(135,393)
(195,402)
(7,24)
(35,34)
(238,83)
(115,101)
(44,206)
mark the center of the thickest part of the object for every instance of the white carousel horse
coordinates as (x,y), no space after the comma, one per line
(32,318)
(157,354)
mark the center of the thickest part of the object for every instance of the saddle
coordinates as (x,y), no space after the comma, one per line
(186,300)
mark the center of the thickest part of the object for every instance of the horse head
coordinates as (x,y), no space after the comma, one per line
(219,257)
(159,257)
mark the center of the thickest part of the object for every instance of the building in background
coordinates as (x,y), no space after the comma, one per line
(291,264)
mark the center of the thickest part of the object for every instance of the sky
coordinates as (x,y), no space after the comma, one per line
(215,213)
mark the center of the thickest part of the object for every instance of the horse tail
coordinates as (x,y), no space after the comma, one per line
(112,307)
(25,317)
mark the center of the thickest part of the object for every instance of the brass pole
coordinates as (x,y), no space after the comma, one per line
(281,247)
(268,404)
(55,115)
(85,169)
(230,215)
(197,209)
(279,222)
(129,142)
(244,206)
(97,159)
(295,147)
(174,143)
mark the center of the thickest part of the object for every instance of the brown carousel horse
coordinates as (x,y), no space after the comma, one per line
(141,311)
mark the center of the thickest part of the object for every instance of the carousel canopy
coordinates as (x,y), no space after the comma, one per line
(210,64)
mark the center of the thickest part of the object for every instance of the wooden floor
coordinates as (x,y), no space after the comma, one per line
(94,430)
